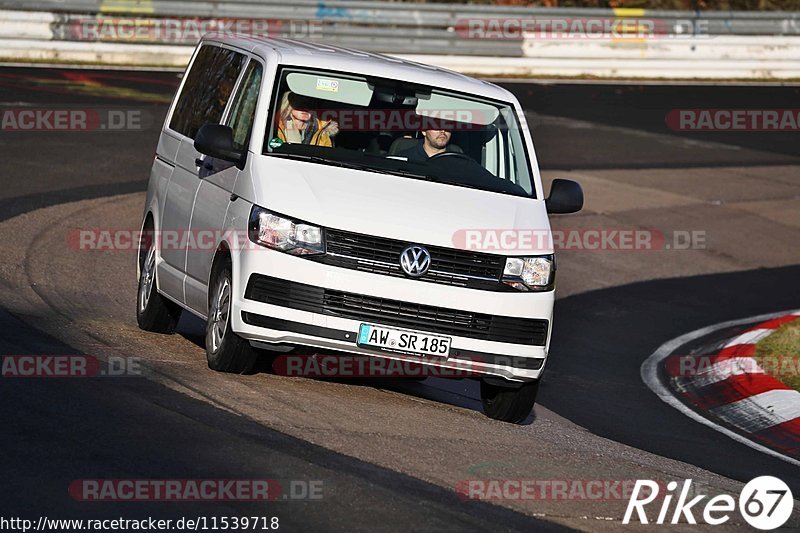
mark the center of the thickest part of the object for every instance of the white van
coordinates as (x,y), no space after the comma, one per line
(312,198)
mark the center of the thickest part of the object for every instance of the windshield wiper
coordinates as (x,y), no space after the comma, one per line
(319,159)
(403,173)
(460,184)
(425,177)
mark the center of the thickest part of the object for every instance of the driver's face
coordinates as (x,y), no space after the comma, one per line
(300,115)
(437,138)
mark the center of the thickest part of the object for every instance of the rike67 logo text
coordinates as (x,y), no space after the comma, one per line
(765,503)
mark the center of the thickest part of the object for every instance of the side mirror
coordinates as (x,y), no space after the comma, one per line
(566,196)
(217,141)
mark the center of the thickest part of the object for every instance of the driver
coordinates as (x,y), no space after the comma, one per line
(297,122)
(433,142)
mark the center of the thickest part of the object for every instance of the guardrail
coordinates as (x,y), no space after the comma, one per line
(479,39)
(446,17)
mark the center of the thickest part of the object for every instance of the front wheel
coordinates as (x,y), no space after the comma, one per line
(226,351)
(507,403)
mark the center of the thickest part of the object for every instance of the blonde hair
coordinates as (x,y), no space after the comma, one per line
(284,109)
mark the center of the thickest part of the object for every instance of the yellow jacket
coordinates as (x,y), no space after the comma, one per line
(321,137)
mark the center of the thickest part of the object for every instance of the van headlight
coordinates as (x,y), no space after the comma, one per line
(530,273)
(284,234)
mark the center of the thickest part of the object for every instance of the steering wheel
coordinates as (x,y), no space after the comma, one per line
(451,154)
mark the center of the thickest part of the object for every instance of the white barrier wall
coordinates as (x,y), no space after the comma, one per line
(29,37)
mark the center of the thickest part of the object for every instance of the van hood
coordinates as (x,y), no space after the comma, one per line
(397,207)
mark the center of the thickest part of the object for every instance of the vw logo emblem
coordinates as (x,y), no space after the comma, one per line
(415,261)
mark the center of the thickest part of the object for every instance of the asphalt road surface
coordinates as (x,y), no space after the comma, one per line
(390,454)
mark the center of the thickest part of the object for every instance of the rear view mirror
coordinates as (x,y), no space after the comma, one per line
(217,141)
(566,196)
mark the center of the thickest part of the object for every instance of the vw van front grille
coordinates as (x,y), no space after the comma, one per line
(379,255)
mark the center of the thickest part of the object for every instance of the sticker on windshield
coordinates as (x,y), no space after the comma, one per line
(275,142)
(332,86)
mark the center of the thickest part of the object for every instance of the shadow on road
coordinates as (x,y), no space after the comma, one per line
(603,336)
(56,431)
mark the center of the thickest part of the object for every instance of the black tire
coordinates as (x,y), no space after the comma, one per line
(509,404)
(226,351)
(154,312)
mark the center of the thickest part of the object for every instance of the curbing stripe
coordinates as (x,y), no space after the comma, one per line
(761,411)
(749,337)
(756,404)
(736,389)
(778,322)
(726,368)
(782,437)
(741,350)
(729,391)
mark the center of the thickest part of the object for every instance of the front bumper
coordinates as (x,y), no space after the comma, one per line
(306,325)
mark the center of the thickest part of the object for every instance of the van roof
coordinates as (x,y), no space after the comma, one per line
(318,55)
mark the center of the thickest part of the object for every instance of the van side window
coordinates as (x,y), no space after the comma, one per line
(208,87)
(244,105)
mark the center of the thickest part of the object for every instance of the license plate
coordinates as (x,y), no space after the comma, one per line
(403,341)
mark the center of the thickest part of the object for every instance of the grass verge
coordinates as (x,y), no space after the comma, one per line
(779,354)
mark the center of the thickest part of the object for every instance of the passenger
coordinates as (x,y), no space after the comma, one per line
(433,142)
(297,123)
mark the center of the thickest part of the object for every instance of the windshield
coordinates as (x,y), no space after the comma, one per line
(395,127)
